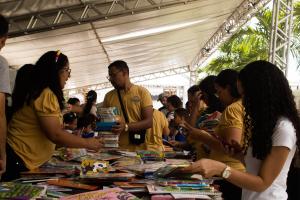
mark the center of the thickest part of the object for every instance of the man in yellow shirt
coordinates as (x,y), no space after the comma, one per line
(154,135)
(137,103)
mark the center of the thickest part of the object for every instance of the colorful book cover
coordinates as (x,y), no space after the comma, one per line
(58,163)
(68,154)
(106,194)
(155,189)
(93,167)
(10,190)
(178,162)
(150,155)
(167,171)
(98,156)
(185,183)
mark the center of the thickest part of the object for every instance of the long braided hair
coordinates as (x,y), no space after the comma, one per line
(267,97)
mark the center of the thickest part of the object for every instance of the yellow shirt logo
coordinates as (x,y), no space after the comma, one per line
(136,99)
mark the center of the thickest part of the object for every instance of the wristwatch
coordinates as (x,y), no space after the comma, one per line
(227,172)
(126,127)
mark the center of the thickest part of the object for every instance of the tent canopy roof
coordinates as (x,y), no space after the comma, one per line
(149,41)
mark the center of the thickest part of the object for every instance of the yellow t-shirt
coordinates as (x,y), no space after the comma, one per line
(134,100)
(25,135)
(232,117)
(154,135)
(198,147)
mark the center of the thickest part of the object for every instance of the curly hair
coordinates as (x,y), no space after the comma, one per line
(267,97)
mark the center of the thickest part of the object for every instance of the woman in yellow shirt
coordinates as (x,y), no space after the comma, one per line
(230,128)
(36,124)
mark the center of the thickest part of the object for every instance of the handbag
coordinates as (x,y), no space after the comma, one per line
(135,137)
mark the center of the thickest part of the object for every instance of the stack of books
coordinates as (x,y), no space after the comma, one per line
(147,155)
(108,118)
(184,187)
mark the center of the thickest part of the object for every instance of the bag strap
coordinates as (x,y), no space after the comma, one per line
(122,107)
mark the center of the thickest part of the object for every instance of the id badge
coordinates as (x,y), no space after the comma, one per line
(137,136)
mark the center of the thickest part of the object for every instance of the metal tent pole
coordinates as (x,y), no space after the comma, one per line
(280,42)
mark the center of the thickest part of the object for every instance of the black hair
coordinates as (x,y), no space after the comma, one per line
(85,121)
(73,100)
(175,101)
(207,86)
(187,105)
(23,83)
(91,97)
(69,117)
(228,77)
(267,97)
(119,64)
(46,74)
(3,26)
(193,89)
(181,112)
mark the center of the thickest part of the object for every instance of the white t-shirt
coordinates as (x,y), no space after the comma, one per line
(284,135)
(94,110)
(4,76)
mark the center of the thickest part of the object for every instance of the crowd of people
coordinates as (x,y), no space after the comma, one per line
(242,126)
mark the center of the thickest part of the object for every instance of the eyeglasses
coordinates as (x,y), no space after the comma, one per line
(68,70)
(112,75)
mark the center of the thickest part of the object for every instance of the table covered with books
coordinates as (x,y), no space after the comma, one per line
(111,174)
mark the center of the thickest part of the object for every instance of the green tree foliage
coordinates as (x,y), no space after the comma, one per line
(251,43)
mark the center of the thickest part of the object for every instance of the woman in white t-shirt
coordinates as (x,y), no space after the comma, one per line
(272,129)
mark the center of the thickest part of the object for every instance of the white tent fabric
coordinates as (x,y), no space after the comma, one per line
(149,42)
